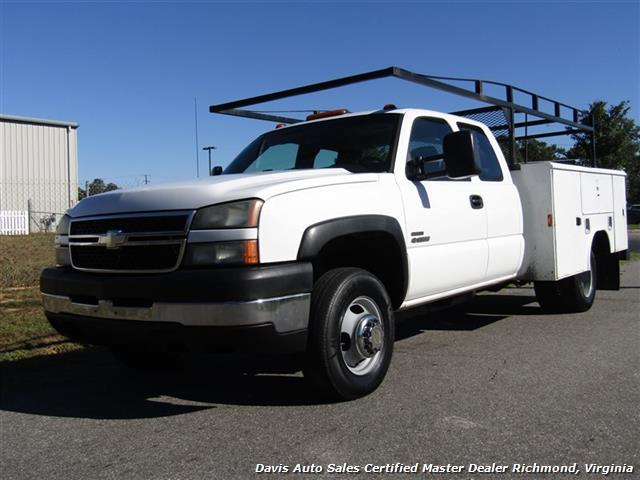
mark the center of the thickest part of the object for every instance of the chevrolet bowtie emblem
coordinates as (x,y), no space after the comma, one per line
(112,239)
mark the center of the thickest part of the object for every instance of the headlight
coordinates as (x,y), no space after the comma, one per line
(61,241)
(243,252)
(62,257)
(241,214)
(63,225)
(62,231)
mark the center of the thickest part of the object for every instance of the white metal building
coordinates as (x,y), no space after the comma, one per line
(38,170)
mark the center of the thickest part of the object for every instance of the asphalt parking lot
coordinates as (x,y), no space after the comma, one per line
(497,382)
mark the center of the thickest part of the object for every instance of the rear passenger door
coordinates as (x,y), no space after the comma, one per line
(502,207)
(446,231)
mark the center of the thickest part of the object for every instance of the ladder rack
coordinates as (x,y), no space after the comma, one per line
(504,106)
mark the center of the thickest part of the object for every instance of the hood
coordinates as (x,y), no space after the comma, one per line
(193,194)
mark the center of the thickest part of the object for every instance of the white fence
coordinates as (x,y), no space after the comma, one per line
(14,222)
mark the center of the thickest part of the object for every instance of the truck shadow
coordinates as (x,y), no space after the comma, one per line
(90,383)
(483,310)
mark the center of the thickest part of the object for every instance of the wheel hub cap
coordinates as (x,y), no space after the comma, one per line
(362,337)
(369,336)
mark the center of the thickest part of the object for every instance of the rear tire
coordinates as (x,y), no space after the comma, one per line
(549,295)
(574,294)
(351,334)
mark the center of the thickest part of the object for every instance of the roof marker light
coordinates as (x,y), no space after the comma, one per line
(327,113)
(389,106)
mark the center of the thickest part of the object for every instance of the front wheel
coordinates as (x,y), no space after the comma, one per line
(351,334)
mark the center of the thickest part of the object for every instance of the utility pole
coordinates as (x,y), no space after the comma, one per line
(195,114)
(146,179)
(209,148)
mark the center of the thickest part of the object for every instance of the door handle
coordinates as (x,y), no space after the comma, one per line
(476,201)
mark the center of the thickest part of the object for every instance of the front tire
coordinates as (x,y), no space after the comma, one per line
(351,334)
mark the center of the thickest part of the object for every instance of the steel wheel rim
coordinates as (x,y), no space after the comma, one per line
(361,310)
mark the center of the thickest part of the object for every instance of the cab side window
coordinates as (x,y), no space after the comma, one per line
(490,167)
(427,136)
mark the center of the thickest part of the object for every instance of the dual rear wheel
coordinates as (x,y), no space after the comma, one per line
(572,294)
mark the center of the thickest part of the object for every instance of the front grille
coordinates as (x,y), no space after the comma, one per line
(151,242)
(151,224)
(143,257)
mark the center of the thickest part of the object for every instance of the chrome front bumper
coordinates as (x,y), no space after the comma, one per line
(287,314)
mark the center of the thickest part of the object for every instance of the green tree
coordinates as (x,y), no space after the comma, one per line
(617,142)
(536,150)
(95,187)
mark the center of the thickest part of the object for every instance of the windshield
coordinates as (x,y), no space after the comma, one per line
(364,143)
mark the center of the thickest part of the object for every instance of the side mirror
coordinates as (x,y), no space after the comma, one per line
(414,169)
(461,155)
(417,169)
(217,170)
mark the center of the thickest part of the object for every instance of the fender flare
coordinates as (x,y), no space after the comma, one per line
(316,236)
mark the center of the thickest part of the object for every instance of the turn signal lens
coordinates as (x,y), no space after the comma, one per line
(251,252)
(242,252)
(549,220)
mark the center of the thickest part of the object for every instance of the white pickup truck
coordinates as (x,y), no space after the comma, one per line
(319,231)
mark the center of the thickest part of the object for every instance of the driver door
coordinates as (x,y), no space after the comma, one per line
(446,223)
